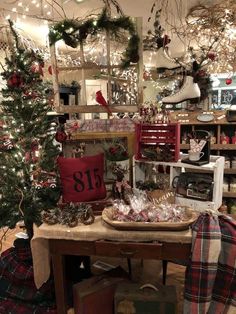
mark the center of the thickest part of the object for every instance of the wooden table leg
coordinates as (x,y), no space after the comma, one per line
(58,264)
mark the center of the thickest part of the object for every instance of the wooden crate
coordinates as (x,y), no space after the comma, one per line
(157,136)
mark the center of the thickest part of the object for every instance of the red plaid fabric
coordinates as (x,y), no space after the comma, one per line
(210,280)
(18,293)
(8,306)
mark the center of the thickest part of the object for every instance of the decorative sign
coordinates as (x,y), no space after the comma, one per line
(228,96)
(223,98)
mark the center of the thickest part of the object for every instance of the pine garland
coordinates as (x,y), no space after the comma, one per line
(74,32)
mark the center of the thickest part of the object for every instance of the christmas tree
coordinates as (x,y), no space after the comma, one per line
(28,177)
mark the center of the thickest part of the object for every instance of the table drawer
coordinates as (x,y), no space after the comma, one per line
(67,247)
(129,249)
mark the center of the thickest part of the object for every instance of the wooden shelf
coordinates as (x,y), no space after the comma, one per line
(214,146)
(95,108)
(184,146)
(189,122)
(91,67)
(230,171)
(190,118)
(229,194)
(223,147)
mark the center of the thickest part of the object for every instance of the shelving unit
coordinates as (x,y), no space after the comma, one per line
(216,167)
(189,123)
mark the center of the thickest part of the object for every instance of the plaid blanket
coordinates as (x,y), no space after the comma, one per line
(18,293)
(210,280)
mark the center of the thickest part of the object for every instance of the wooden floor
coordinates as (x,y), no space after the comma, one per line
(148,271)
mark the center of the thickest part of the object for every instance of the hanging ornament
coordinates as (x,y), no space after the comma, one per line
(201,73)
(61,135)
(34,145)
(15,80)
(37,68)
(166,40)
(27,156)
(50,70)
(35,156)
(228,81)
(211,55)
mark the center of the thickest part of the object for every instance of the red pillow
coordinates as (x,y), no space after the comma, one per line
(82,178)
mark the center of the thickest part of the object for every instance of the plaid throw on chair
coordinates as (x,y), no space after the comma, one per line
(210,280)
(18,294)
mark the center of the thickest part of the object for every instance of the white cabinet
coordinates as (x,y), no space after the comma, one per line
(215,167)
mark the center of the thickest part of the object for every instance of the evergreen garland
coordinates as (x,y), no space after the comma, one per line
(74,32)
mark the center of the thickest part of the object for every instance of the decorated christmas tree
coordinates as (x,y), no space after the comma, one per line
(28,178)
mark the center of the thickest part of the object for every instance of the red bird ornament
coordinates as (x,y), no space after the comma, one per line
(101,100)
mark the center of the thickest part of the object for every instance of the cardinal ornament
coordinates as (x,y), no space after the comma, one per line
(101,100)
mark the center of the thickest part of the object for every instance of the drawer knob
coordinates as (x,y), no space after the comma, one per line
(128,253)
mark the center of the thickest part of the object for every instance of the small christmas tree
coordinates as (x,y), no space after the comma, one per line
(28,179)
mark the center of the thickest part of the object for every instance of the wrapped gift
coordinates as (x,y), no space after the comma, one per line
(96,295)
(133,298)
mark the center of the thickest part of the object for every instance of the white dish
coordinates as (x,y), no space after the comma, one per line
(205,117)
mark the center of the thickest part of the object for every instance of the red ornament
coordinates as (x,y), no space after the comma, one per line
(61,136)
(211,55)
(34,145)
(166,40)
(228,81)
(201,73)
(15,80)
(50,70)
(27,156)
(37,68)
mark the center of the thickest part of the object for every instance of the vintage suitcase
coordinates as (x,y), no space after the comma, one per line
(146,299)
(96,295)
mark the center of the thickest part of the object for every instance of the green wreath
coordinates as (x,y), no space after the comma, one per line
(74,32)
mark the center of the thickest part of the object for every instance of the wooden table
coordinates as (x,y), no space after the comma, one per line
(99,239)
(144,250)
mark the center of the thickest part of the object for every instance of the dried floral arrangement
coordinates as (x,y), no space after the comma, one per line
(156,38)
(115,151)
(209,31)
